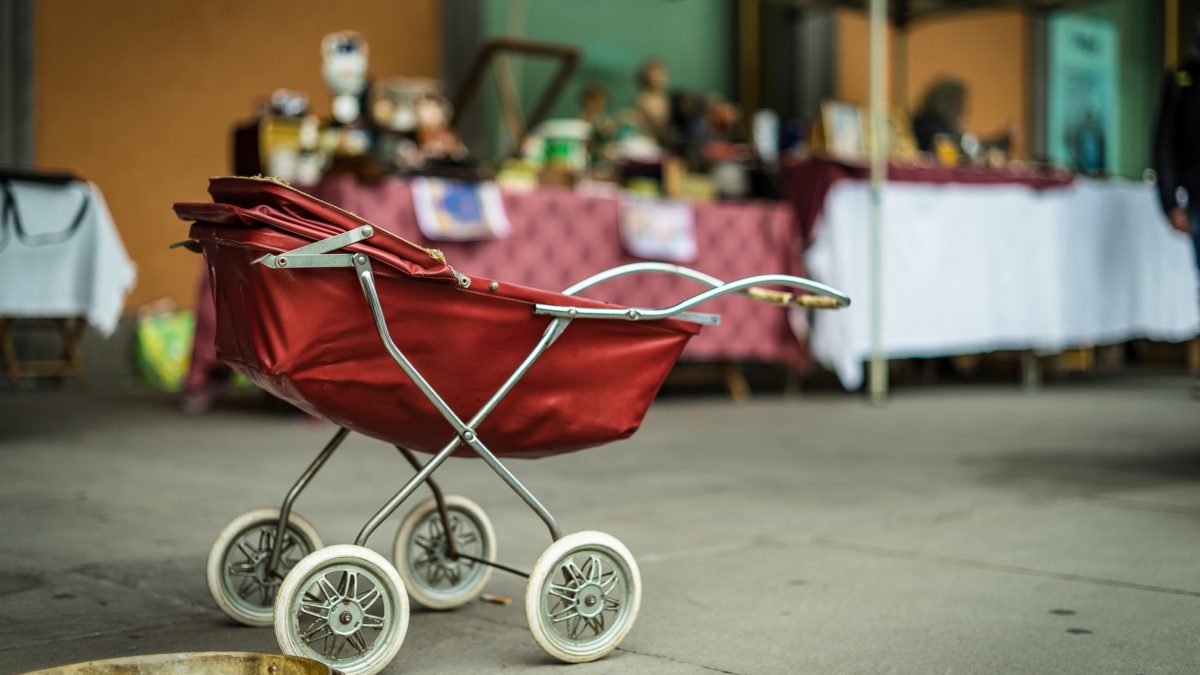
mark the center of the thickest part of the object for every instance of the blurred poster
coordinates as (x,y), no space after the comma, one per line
(454,211)
(658,230)
(1081,122)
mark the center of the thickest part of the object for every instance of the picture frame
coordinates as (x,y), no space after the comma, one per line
(842,130)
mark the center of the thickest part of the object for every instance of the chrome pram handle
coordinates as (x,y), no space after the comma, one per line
(817,296)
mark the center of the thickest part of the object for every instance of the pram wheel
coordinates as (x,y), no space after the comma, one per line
(344,606)
(432,577)
(583,596)
(237,563)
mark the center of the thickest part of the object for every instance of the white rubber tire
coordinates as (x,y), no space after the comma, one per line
(417,588)
(225,539)
(543,573)
(304,574)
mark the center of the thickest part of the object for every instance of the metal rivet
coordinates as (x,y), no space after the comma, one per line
(281,262)
(346,618)
(360,259)
(464,282)
(468,435)
(632,314)
(367,231)
(590,601)
(572,313)
(493,286)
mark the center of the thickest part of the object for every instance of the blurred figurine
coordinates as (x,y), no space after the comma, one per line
(653,106)
(345,71)
(687,121)
(720,122)
(1085,143)
(435,139)
(603,128)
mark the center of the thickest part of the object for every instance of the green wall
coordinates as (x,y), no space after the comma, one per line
(694,37)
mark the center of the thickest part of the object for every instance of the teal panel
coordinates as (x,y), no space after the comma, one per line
(1138,27)
(694,37)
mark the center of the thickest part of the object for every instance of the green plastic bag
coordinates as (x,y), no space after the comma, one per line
(163,348)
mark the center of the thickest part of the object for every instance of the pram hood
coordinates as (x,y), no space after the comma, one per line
(264,202)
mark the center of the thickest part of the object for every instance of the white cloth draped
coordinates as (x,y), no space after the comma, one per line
(978,268)
(53,275)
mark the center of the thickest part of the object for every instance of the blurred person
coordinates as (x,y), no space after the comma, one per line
(1177,148)
(1177,143)
(941,115)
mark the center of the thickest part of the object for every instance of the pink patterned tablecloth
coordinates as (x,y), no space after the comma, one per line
(559,237)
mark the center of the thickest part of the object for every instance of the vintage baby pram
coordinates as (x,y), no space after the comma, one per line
(418,354)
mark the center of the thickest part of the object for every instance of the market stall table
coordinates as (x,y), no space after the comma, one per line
(980,266)
(560,236)
(61,262)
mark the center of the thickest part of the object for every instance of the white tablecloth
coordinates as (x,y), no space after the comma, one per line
(52,275)
(970,269)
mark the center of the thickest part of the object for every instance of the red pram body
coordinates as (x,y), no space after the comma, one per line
(306,336)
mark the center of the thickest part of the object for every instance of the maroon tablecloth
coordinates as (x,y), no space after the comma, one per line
(808,181)
(559,237)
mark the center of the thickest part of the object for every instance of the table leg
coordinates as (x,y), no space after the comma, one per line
(793,382)
(735,381)
(72,335)
(1031,371)
(10,354)
(1193,356)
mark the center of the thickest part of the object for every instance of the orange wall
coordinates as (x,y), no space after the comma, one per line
(140,96)
(986,49)
(852,58)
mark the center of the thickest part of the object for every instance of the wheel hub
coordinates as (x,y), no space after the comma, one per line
(345,617)
(589,601)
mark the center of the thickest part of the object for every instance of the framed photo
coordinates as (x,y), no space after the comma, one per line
(842,127)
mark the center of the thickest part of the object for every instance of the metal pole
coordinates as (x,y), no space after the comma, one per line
(878,94)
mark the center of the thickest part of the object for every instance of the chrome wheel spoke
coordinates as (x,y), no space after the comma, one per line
(564,592)
(573,628)
(366,600)
(246,587)
(350,584)
(320,611)
(327,588)
(316,631)
(565,616)
(332,648)
(607,585)
(572,573)
(358,642)
(372,621)
(427,544)
(242,569)
(246,550)
(594,569)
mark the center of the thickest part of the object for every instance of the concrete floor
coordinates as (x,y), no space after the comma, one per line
(957,530)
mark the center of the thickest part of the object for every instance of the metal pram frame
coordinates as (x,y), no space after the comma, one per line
(584,594)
